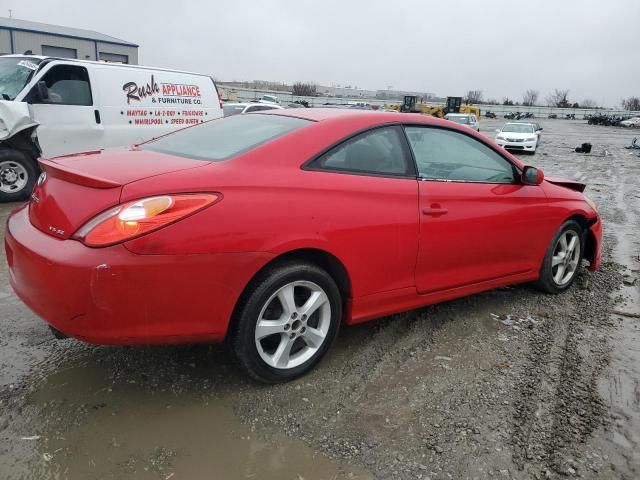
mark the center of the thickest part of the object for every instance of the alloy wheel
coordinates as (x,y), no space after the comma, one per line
(566,257)
(293,324)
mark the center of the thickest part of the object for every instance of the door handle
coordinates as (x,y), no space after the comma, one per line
(435,210)
(97,115)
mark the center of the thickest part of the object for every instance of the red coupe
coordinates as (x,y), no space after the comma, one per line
(270,230)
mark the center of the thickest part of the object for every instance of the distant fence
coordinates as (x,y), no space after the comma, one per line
(249,94)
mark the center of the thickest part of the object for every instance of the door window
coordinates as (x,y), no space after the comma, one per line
(378,151)
(67,85)
(446,155)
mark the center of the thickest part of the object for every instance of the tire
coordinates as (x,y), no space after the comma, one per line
(273,340)
(551,279)
(18,174)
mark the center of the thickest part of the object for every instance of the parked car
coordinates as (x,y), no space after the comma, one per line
(464,119)
(518,136)
(271,230)
(631,122)
(269,99)
(75,106)
(230,109)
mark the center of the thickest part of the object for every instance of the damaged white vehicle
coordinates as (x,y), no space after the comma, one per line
(53,106)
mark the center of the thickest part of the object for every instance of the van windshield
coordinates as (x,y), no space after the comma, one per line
(224,138)
(15,72)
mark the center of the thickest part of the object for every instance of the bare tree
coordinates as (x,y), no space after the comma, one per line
(588,103)
(302,89)
(530,98)
(631,103)
(492,101)
(473,97)
(558,98)
(507,101)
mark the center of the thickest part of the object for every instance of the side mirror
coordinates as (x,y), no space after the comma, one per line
(540,129)
(42,91)
(532,176)
(497,130)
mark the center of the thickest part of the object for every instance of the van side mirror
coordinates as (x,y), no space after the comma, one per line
(42,91)
(532,176)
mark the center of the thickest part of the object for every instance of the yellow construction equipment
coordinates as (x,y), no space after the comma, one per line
(453,105)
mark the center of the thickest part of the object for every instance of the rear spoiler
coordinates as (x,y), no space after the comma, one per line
(70,175)
(564,182)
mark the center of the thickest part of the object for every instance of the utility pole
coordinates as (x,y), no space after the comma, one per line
(10,15)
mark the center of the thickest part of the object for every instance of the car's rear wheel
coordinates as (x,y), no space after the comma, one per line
(286,322)
(563,259)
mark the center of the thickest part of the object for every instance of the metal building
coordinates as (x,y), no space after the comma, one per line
(21,36)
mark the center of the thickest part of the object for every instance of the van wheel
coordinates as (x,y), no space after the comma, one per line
(286,322)
(17,175)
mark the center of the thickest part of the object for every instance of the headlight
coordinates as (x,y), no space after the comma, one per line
(500,137)
(531,139)
(590,202)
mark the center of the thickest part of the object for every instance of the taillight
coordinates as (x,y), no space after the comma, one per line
(140,217)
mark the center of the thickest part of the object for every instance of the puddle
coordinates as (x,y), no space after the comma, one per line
(92,428)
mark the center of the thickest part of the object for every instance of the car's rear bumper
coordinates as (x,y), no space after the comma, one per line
(113,296)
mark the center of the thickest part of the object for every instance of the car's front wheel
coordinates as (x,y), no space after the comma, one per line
(286,322)
(563,259)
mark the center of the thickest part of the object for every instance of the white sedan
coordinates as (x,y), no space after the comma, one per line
(230,109)
(468,120)
(631,122)
(518,136)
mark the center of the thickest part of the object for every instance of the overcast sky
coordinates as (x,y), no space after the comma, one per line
(447,47)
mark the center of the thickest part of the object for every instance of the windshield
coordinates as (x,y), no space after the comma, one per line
(222,139)
(465,120)
(15,72)
(518,128)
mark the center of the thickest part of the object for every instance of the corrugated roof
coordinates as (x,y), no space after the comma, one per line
(17,24)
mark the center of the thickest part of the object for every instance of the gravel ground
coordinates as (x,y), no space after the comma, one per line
(506,384)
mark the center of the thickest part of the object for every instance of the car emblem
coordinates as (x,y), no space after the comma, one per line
(41,179)
(35,198)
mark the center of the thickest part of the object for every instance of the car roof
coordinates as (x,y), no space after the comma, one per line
(376,116)
(460,115)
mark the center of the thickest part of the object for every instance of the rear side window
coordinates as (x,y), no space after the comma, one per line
(380,151)
(221,139)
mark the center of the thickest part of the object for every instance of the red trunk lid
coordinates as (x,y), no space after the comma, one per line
(78,187)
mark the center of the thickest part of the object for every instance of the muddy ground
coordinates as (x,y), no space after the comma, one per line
(507,384)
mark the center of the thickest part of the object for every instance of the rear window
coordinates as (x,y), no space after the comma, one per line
(224,138)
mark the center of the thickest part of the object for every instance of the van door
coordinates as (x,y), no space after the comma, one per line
(69,121)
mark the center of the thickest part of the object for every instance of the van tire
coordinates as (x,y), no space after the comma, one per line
(18,174)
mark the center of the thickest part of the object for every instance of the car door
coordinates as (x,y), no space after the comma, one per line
(363,195)
(69,121)
(477,221)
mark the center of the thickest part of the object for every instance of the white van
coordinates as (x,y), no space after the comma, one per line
(53,106)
